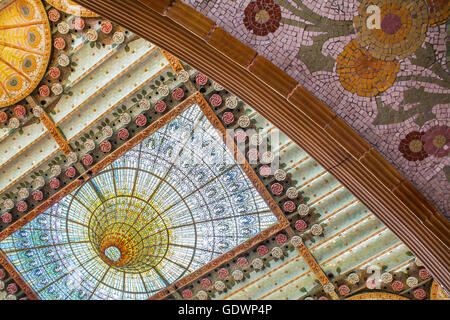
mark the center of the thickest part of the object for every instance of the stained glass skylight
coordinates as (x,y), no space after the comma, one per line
(167,207)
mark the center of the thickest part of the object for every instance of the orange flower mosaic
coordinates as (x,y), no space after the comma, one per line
(363,74)
(439,11)
(390,29)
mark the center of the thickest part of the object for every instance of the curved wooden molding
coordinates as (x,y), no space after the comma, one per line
(192,37)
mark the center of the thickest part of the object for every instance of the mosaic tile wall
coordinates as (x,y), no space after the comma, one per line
(382,66)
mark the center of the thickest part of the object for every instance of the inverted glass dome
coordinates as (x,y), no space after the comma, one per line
(164,209)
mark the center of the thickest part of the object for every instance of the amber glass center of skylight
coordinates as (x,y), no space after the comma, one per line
(129,234)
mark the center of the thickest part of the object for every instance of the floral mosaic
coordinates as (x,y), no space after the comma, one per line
(381,65)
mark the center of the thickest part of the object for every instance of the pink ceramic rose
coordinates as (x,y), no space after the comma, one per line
(201,79)
(253,155)
(54,72)
(78,24)
(205,283)
(55,183)
(160,106)
(420,294)
(228,117)
(6,217)
(38,195)
(262,250)
(264,171)
(105,146)
(53,15)
(241,136)
(3,117)
(289,206)
(106,27)
(87,160)
(123,134)
(11,288)
(242,262)
(22,206)
(300,225)
(276,188)
(281,239)
(59,43)
(187,294)
(20,111)
(141,120)
(44,91)
(397,286)
(424,274)
(70,172)
(215,100)
(344,290)
(223,273)
(178,93)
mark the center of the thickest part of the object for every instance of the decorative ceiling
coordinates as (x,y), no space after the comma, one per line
(128,174)
(381,66)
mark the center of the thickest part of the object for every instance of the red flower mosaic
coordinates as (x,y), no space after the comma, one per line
(53,15)
(70,172)
(223,273)
(11,288)
(276,189)
(201,79)
(262,250)
(397,286)
(105,146)
(264,171)
(424,274)
(20,111)
(205,283)
(412,147)
(106,27)
(344,290)
(289,206)
(300,225)
(241,136)
(281,239)
(2,274)
(160,106)
(187,294)
(22,206)
(242,262)
(178,94)
(78,24)
(3,117)
(59,43)
(44,91)
(420,294)
(6,217)
(436,141)
(54,183)
(123,134)
(253,155)
(215,100)
(141,120)
(228,118)
(262,17)
(54,72)
(38,195)
(87,160)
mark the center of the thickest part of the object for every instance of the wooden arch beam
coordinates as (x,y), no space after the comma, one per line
(193,38)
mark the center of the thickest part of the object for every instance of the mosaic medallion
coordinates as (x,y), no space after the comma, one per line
(25,47)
